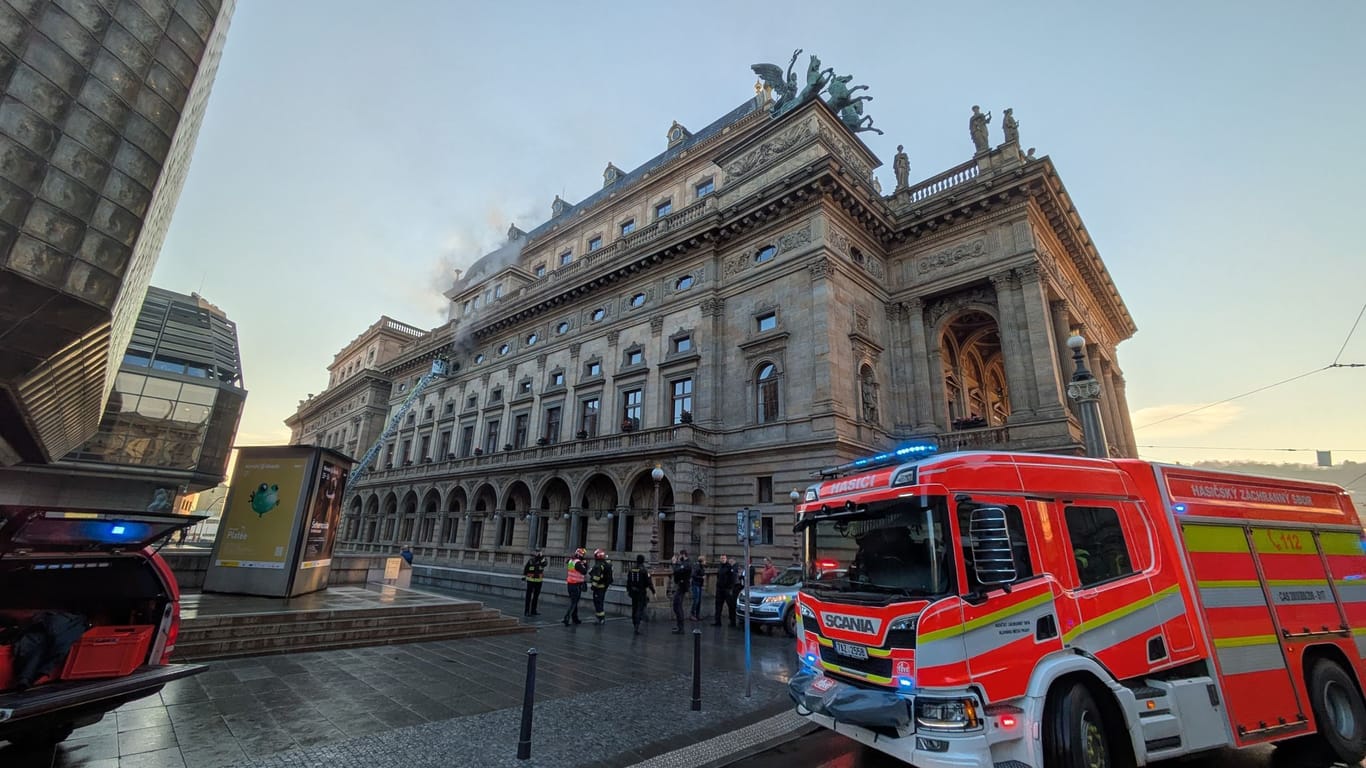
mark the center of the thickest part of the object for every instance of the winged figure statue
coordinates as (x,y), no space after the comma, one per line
(772,75)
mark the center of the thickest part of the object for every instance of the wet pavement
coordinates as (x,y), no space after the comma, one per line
(605,697)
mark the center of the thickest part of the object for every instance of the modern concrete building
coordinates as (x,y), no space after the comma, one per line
(100,105)
(171,419)
(739,311)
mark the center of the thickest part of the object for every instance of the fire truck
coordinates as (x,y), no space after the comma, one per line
(1031,611)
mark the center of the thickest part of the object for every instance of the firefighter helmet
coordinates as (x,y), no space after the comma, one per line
(598,554)
(580,552)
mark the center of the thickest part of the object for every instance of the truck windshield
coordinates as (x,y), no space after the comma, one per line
(899,547)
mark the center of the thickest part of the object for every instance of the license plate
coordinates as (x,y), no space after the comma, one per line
(851,650)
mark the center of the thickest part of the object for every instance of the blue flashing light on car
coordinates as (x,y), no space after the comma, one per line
(117,530)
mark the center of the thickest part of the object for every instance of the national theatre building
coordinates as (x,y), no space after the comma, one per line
(739,311)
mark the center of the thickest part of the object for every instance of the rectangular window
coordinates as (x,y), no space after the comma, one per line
(466,439)
(595,243)
(521,425)
(542,531)
(389,456)
(683,344)
(588,417)
(449,409)
(766,322)
(766,530)
(630,408)
(426,447)
(704,188)
(506,529)
(1015,525)
(764,489)
(524,387)
(557,379)
(491,436)
(552,425)
(139,359)
(664,209)
(594,369)
(566,257)
(474,534)
(496,396)
(540,270)
(407,454)
(429,413)
(498,291)
(682,400)
(472,402)
(628,226)
(635,357)
(444,447)
(1098,544)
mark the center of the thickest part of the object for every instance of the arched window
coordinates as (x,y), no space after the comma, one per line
(766,391)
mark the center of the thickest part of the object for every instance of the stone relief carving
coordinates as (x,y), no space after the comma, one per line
(657,324)
(952,256)
(943,307)
(713,307)
(613,337)
(846,153)
(861,322)
(794,238)
(574,348)
(843,245)
(821,268)
(540,361)
(769,150)
(865,350)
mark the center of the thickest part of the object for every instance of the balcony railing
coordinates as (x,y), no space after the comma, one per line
(974,439)
(950,178)
(600,447)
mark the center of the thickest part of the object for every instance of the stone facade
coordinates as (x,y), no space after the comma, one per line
(100,106)
(350,414)
(778,315)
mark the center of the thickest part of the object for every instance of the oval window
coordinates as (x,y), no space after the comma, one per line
(503,350)
(532,339)
(562,328)
(599,314)
(856,255)
(684,283)
(478,359)
(638,300)
(765,254)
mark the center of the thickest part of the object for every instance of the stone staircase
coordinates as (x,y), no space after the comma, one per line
(257,634)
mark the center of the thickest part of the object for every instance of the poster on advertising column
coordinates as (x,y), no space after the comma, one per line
(324,516)
(258,523)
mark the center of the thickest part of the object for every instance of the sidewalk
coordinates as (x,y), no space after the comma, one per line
(604,697)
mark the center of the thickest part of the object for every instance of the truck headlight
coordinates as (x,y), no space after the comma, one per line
(957,714)
(806,612)
(901,632)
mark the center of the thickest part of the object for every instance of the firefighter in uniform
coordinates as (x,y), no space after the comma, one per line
(576,571)
(600,578)
(533,573)
(638,584)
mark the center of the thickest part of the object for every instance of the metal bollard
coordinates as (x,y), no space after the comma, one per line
(697,670)
(528,700)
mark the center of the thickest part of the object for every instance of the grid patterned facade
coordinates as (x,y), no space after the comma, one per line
(100,106)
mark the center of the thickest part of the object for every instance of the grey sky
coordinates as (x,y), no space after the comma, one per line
(350,158)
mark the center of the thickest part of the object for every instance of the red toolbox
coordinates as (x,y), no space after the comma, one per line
(107,651)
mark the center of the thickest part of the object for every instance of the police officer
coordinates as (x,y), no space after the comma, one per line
(599,579)
(639,586)
(699,581)
(682,575)
(725,590)
(576,572)
(533,573)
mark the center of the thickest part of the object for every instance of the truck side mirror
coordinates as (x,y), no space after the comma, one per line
(992,553)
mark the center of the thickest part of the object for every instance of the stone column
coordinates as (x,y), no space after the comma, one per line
(1049,399)
(1061,317)
(620,522)
(822,270)
(900,363)
(1124,416)
(707,389)
(938,399)
(1015,349)
(1107,401)
(655,395)
(924,379)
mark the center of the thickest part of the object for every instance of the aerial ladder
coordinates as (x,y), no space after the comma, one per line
(439,367)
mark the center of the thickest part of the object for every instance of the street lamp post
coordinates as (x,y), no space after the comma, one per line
(657,475)
(796,498)
(1085,389)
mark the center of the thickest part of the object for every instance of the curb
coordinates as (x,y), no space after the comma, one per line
(730,748)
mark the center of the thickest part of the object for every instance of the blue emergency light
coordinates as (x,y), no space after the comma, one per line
(908,452)
(117,530)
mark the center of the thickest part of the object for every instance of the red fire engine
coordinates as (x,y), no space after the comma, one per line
(1028,610)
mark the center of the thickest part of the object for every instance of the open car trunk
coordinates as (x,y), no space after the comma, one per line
(94,575)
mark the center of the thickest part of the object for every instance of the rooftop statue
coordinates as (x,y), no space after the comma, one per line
(848,106)
(842,100)
(772,76)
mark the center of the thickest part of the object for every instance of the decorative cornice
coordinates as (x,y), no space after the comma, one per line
(713,307)
(769,151)
(656,325)
(613,337)
(821,269)
(574,348)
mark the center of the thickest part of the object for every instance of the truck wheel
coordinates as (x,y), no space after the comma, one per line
(1076,735)
(1339,713)
(790,622)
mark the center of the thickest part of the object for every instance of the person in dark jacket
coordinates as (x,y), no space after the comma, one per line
(599,579)
(639,586)
(682,575)
(533,573)
(699,580)
(725,590)
(575,574)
